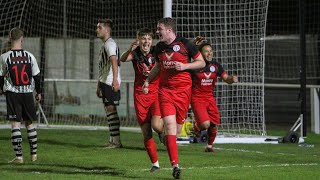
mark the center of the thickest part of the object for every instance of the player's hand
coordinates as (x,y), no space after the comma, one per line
(115,85)
(199,40)
(179,66)
(235,79)
(98,93)
(145,87)
(134,45)
(38,97)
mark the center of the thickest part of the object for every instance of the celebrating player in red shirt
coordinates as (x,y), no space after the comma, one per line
(203,103)
(146,105)
(173,57)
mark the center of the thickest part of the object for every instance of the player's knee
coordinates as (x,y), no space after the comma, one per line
(15,125)
(110,108)
(28,124)
(157,127)
(146,131)
(205,125)
(147,136)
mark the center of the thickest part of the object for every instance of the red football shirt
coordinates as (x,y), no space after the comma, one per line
(180,50)
(204,80)
(142,66)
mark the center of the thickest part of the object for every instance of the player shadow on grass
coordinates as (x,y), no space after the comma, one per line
(65,143)
(65,169)
(139,148)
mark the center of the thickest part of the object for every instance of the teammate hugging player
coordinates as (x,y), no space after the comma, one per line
(146,105)
(203,103)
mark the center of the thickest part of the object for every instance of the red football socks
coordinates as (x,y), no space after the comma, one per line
(151,148)
(212,135)
(172,149)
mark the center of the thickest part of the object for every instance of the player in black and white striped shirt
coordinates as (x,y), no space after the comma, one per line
(19,76)
(108,86)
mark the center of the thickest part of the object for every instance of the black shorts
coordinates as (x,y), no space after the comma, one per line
(20,106)
(109,97)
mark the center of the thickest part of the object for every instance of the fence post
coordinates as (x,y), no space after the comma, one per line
(128,100)
(315,109)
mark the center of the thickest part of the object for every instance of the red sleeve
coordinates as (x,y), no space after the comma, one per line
(197,55)
(193,51)
(221,71)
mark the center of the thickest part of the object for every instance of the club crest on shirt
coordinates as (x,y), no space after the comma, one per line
(212,69)
(176,48)
(150,60)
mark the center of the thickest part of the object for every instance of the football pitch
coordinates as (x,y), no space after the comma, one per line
(79,154)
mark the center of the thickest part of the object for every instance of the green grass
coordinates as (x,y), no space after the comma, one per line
(78,154)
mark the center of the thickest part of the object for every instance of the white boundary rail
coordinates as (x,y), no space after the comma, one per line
(314,96)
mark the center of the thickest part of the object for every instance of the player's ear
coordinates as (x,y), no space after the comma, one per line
(22,40)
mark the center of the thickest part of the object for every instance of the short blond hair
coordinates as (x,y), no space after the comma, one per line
(15,34)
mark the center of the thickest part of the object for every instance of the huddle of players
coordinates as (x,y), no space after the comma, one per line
(163,87)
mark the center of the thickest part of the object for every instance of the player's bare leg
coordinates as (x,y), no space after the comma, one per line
(150,146)
(157,126)
(114,127)
(33,140)
(16,139)
(171,129)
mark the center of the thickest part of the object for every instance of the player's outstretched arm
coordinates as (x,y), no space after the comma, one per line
(230,79)
(127,56)
(152,75)
(197,63)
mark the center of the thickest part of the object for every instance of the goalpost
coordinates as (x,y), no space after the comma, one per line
(62,38)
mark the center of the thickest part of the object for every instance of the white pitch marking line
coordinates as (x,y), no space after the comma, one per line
(258,152)
(245,166)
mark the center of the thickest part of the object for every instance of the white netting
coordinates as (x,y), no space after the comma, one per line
(62,37)
(236,29)
(283,42)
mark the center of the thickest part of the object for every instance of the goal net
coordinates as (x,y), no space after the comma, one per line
(236,29)
(62,37)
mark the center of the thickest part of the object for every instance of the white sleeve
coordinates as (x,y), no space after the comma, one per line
(35,67)
(2,66)
(111,48)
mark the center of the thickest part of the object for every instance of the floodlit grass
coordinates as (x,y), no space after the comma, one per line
(78,154)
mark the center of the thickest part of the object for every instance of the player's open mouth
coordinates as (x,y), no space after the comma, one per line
(209,58)
(146,45)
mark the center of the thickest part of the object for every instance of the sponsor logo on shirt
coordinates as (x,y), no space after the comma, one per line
(168,64)
(206,82)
